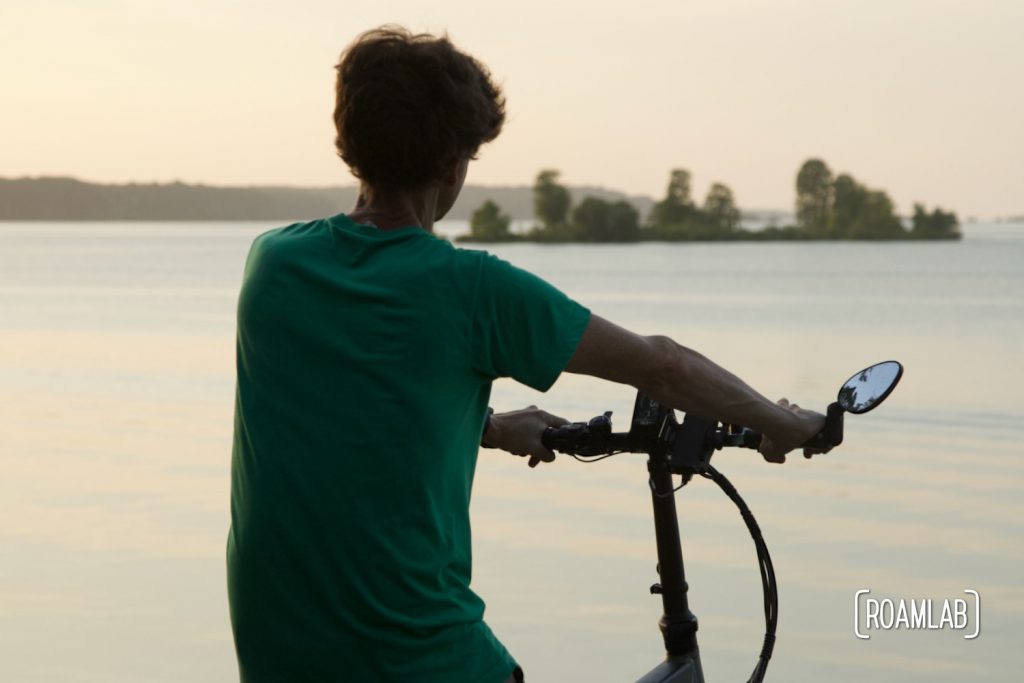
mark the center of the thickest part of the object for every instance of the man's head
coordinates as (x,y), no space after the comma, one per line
(411,109)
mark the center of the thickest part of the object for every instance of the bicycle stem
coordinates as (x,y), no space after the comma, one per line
(678,624)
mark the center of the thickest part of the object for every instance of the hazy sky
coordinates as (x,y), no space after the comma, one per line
(923,98)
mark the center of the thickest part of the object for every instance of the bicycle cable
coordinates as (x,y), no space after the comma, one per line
(667,494)
(588,459)
(769,587)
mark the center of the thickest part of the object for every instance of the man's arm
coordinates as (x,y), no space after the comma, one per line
(683,379)
(672,375)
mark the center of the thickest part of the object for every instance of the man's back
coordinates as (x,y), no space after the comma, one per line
(365,360)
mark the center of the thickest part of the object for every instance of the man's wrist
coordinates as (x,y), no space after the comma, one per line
(487,437)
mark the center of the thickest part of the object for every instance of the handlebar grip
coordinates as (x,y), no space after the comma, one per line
(751,439)
(580,438)
(832,435)
(547,437)
(745,438)
(567,438)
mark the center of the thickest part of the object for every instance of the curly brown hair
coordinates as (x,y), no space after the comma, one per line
(410,105)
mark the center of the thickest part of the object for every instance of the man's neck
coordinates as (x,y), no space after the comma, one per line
(388,211)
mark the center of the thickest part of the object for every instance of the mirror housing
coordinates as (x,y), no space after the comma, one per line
(869,387)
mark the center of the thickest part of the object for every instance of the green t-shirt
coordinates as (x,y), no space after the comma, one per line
(365,361)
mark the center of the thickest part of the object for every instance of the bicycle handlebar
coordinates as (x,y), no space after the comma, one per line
(685,449)
(595,438)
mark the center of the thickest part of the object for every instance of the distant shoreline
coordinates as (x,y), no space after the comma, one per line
(768,234)
(70,199)
(59,199)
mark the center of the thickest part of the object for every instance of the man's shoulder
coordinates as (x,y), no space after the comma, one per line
(290,234)
(289,241)
(484,260)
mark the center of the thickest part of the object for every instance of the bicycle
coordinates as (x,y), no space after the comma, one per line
(685,449)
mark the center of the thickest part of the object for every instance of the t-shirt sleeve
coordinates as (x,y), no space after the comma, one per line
(524,327)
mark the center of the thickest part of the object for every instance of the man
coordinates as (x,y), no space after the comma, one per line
(366,352)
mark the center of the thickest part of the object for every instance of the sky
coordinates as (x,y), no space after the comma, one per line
(921,98)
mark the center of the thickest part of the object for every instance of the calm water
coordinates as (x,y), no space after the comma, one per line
(116,380)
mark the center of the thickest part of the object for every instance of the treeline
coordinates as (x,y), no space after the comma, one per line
(826,208)
(842,208)
(69,199)
(58,199)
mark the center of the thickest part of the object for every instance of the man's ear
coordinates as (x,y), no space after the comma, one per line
(451,174)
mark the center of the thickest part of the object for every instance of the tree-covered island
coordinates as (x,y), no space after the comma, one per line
(827,208)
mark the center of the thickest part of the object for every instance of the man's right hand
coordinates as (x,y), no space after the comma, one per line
(798,426)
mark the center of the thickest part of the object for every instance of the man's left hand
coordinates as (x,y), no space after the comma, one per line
(519,432)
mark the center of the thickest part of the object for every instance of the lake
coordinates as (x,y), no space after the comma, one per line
(116,398)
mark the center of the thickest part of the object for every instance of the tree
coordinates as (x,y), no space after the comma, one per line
(861,213)
(488,224)
(935,225)
(848,198)
(720,209)
(551,201)
(814,197)
(596,220)
(876,219)
(677,206)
